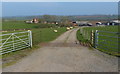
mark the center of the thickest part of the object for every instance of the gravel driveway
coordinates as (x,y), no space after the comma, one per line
(64,55)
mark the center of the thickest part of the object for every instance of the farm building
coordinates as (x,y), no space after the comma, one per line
(96,23)
(28,21)
(99,23)
(74,23)
(35,20)
(82,23)
(113,22)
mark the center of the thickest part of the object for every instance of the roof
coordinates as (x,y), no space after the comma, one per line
(116,21)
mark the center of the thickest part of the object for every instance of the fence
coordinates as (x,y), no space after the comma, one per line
(10,42)
(103,40)
(107,41)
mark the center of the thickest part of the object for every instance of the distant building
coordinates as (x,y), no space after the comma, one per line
(35,20)
(116,21)
(82,23)
(99,23)
(74,23)
(29,22)
(45,22)
(113,22)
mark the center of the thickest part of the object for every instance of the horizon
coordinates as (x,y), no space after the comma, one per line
(21,9)
(59,15)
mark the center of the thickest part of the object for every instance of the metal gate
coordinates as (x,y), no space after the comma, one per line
(107,41)
(10,42)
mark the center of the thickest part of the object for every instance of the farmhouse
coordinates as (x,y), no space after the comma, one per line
(35,20)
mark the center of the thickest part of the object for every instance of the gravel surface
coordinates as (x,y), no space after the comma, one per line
(65,55)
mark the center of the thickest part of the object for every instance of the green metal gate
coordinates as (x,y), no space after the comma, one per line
(107,41)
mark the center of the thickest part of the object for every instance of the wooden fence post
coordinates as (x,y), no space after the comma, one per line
(96,38)
(92,37)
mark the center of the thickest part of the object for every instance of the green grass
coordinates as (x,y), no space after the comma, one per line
(39,36)
(46,34)
(80,36)
(82,40)
(40,32)
(105,44)
(10,25)
(17,25)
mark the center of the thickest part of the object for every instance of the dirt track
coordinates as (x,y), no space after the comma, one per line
(64,55)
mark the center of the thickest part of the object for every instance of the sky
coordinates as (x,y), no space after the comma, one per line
(58,8)
(60,0)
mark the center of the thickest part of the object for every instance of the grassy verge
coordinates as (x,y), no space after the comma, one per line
(82,40)
(80,36)
(39,35)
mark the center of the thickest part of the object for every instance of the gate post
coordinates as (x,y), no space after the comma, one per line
(96,38)
(13,41)
(30,38)
(92,37)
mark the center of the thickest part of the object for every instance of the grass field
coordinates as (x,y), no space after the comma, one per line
(106,41)
(46,34)
(10,25)
(38,36)
(40,33)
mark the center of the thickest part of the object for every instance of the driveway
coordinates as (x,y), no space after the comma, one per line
(65,55)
